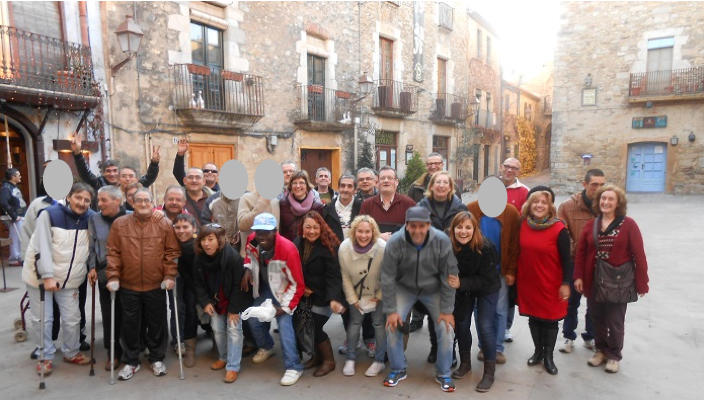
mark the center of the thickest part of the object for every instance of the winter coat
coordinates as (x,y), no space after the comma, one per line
(29,223)
(321,273)
(11,201)
(418,187)
(454,207)
(249,207)
(99,230)
(231,268)
(510,227)
(355,267)
(478,276)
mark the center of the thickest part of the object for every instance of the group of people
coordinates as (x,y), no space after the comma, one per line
(367,252)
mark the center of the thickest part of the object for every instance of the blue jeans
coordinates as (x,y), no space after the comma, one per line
(263,338)
(499,317)
(572,319)
(379,323)
(484,314)
(394,339)
(229,339)
(67,299)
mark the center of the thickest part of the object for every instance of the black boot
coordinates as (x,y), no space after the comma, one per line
(433,356)
(537,335)
(488,378)
(465,365)
(550,337)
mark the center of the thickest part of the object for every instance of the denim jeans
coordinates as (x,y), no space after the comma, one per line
(378,321)
(263,338)
(67,299)
(14,228)
(484,314)
(572,318)
(394,339)
(500,317)
(229,339)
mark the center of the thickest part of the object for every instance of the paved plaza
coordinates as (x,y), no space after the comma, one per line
(662,355)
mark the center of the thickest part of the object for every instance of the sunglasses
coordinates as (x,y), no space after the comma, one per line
(215,225)
(210,171)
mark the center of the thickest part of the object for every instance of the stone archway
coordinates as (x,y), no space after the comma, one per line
(26,148)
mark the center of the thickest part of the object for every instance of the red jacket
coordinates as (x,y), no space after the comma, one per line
(627,245)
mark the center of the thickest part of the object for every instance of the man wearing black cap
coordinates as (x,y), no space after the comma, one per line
(417,264)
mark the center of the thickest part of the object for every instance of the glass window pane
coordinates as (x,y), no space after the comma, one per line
(214,56)
(393,158)
(661,43)
(197,44)
(382,158)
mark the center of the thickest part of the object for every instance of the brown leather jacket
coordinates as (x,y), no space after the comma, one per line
(510,221)
(142,252)
(575,214)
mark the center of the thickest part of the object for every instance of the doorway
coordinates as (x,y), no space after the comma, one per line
(18,156)
(314,158)
(647,167)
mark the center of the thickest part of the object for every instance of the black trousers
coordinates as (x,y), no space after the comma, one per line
(82,295)
(320,336)
(105,312)
(152,306)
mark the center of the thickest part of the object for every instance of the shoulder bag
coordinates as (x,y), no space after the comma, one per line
(613,284)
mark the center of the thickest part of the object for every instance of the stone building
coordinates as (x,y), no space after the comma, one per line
(281,80)
(629,96)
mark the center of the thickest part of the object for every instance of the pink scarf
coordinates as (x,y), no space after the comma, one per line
(302,207)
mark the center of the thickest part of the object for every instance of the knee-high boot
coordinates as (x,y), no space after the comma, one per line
(537,334)
(328,360)
(550,337)
(488,378)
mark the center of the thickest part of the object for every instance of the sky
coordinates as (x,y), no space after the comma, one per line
(527,31)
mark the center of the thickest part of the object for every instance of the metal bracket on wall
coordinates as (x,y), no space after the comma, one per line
(82,121)
(44,120)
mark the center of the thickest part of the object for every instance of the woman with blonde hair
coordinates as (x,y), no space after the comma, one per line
(441,201)
(544,273)
(360,258)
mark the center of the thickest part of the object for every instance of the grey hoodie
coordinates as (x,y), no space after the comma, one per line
(423,271)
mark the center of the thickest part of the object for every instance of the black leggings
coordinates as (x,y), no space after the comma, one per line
(320,321)
(542,323)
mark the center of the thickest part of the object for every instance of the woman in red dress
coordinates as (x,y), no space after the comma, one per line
(544,273)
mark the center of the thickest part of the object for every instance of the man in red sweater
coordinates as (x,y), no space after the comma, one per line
(388,208)
(516,191)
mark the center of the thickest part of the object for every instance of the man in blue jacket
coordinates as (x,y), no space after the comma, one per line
(417,263)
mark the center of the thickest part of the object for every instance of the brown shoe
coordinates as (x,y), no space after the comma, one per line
(500,358)
(230,376)
(328,364)
(78,359)
(218,365)
(115,361)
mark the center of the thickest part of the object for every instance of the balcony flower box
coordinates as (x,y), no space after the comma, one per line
(198,70)
(340,94)
(635,91)
(232,76)
(315,89)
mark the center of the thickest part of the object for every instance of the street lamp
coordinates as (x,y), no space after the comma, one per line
(366,84)
(129,35)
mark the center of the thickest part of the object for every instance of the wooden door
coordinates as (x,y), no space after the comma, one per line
(206,153)
(312,159)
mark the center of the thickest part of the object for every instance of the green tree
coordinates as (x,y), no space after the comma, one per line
(415,169)
(366,158)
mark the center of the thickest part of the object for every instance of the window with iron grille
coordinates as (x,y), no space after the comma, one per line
(316,88)
(446,16)
(441,145)
(207,50)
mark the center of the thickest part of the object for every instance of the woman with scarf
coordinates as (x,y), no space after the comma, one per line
(544,273)
(299,200)
(217,274)
(186,228)
(317,245)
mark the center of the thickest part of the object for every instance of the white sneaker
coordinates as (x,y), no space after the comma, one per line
(159,368)
(263,355)
(597,359)
(375,369)
(612,366)
(508,336)
(348,369)
(291,377)
(567,347)
(343,348)
(128,372)
(590,344)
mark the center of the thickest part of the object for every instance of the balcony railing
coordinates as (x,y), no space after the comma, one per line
(217,97)
(449,108)
(394,99)
(323,109)
(672,84)
(547,105)
(446,16)
(42,70)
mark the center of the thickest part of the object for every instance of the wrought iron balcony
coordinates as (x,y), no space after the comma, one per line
(40,70)
(449,109)
(218,98)
(323,109)
(394,99)
(671,85)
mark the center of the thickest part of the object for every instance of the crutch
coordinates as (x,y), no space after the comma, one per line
(178,331)
(92,333)
(42,296)
(112,337)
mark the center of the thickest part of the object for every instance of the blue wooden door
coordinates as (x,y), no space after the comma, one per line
(646,167)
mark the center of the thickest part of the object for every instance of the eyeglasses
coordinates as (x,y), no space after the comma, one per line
(194,178)
(511,167)
(210,171)
(387,178)
(140,201)
(366,179)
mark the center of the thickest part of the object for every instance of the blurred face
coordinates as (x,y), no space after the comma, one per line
(464,231)
(433,164)
(288,169)
(510,169)
(311,229)
(142,204)
(540,207)
(174,202)
(366,182)
(323,179)
(127,176)
(210,174)
(346,190)
(594,184)
(387,182)
(418,231)
(608,202)
(184,231)
(265,238)
(129,198)
(441,187)
(363,234)
(79,202)
(299,188)
(111,174)
(107,205)
(210,244)
(194,180)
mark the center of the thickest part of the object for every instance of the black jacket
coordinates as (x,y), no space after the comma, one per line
(185,263)
(231,267)
(478,276)
(179,172)
(455,206)
(321,273)
(12,205)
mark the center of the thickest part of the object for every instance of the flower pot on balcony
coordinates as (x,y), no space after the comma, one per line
(315,89)
(456,111)
(384,96)
(232,76)
(635,91)
(198,69)
(406,101)
(342,94)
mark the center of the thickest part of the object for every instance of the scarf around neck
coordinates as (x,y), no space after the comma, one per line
(587,201)
(363,249)
(299,208)
(541,224)
(120,213)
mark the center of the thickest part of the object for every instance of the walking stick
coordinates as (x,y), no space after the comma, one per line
(42,296)
(92,333)
(112,337)
(178,331)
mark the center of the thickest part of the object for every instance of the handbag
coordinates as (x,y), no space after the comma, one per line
(613,284)
(304,326)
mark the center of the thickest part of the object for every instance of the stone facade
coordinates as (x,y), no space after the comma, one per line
(611,42)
